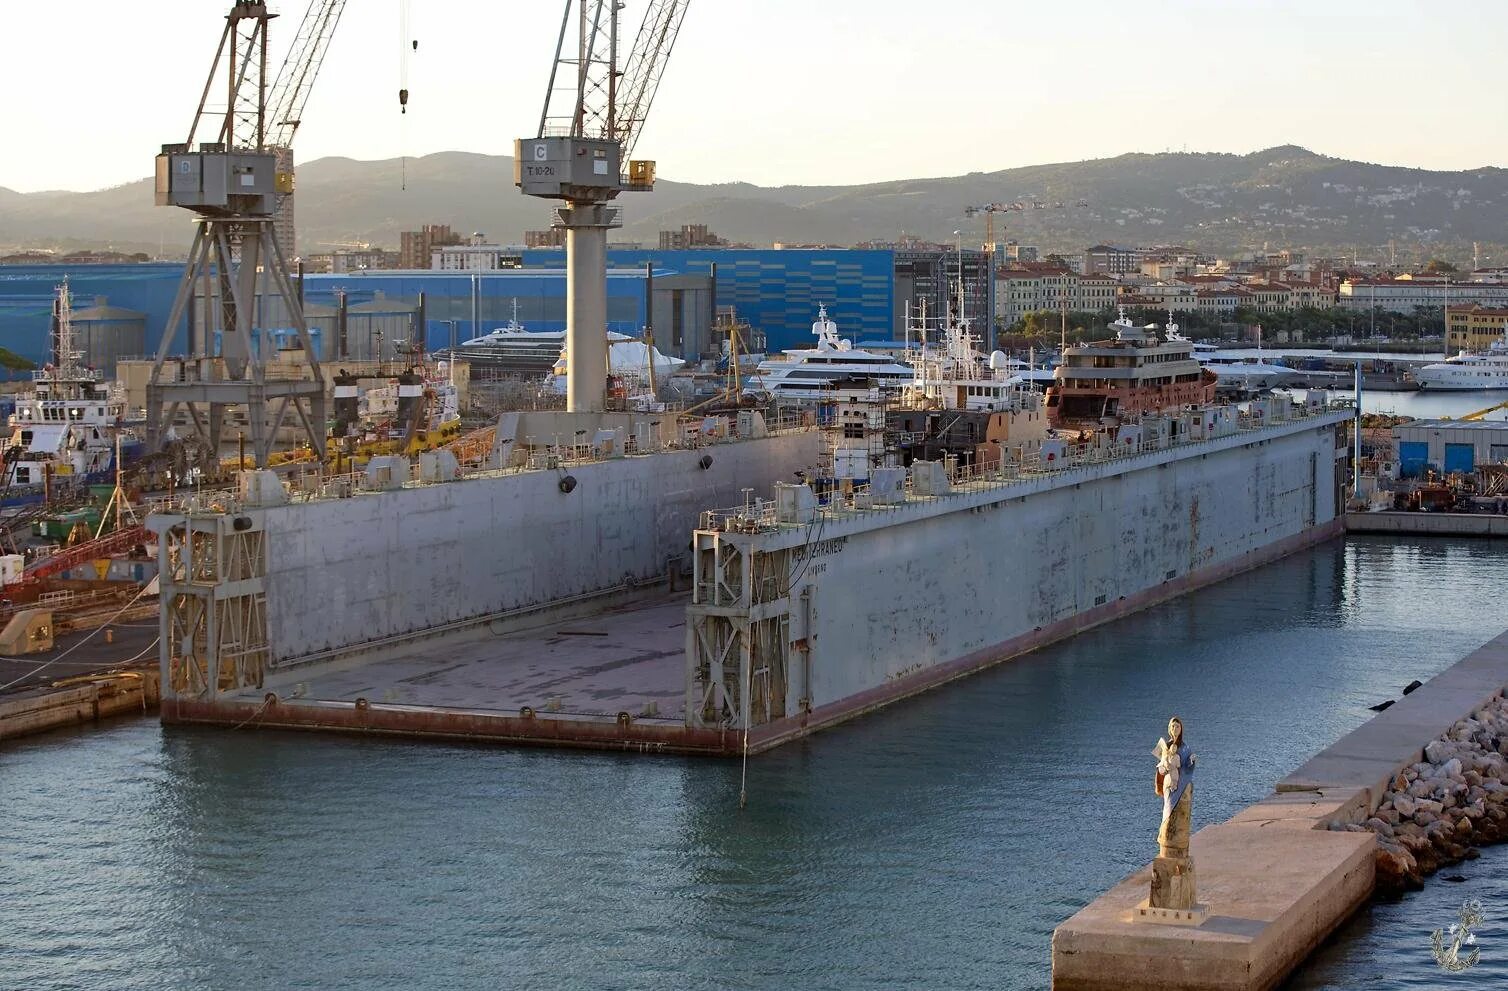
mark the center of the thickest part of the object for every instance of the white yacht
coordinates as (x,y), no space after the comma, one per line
(632,363)
(834,369)
(512,348)
(1234,370)
(1469,370)
(67,430)
(1173,336)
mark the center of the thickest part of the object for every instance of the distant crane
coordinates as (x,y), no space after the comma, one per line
(1019,206)
(232,183)
(587,130)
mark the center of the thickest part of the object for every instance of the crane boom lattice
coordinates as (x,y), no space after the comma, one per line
(300,68)
(646,64)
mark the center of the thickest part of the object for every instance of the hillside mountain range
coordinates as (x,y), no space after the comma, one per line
(1281,197)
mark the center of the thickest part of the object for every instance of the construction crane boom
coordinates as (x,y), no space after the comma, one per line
(300,68)
(646,64)
(1482,414)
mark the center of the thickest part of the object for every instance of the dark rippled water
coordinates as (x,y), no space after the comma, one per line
(932,846)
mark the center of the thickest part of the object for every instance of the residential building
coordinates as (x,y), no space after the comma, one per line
(1107,259)
(1180,297)
(1309,294)
(416,248)
(1034,287)
(1268,297)
(554,237)
(1021,252)
(689,236)
(1475,328)
(1220,301)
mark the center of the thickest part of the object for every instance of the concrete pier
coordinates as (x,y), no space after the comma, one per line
(1429,524)
(84,699)
(1276,878)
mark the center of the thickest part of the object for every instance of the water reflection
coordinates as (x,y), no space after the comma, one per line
(935,845)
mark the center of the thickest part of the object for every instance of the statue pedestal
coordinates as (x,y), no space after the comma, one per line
(1171,902)
(1193,917)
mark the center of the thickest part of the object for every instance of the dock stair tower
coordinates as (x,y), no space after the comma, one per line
(587,131)
(231,182)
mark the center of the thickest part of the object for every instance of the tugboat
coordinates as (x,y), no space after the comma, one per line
(66,433)
(1105,382)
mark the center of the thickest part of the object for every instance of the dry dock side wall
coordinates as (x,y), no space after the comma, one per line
(891,601)
(345,572)
(911,596)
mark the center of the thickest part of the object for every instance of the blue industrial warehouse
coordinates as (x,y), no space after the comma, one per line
(776,291)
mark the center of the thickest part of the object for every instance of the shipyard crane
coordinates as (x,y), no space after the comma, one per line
(1019,206)
(588,128)
(989,210)
(231,183)
(290,91)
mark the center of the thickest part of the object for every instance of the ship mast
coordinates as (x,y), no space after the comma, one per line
(66,372)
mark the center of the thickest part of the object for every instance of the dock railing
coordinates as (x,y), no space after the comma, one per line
(759,515)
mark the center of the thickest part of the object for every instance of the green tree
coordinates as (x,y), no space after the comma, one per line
(13,362)
(1439,266)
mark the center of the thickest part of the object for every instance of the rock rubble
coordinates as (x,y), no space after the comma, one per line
(1439,810)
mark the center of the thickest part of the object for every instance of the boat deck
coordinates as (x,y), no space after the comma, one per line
(614,680)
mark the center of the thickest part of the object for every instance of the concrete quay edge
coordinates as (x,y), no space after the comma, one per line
(1278,881)
(92,698)
(1428,524)
(1372,754)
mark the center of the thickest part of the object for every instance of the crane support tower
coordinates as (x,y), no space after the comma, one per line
(231,182)
(587,129)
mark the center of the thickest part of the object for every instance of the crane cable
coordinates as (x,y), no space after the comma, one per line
(406,43)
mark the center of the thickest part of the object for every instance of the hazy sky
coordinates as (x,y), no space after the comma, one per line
(801,91)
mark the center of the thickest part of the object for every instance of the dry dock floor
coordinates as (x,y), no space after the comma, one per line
(628,659)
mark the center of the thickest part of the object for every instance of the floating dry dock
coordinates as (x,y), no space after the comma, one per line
(500,607)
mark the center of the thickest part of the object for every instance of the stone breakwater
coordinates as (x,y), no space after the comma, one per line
(1438,810)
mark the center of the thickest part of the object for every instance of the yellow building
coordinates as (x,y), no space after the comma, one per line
(1474,328)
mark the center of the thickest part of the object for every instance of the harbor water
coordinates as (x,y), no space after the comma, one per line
(933,845)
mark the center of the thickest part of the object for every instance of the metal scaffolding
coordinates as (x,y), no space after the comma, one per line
(213,569)
(738,635)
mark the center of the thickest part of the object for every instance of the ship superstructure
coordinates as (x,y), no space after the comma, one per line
(67,427)
(1128,375)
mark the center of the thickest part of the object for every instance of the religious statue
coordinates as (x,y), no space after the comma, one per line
(1175,783)
(1172,896)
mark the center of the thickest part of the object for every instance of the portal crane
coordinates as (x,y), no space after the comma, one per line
(587,129)
(231,182)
